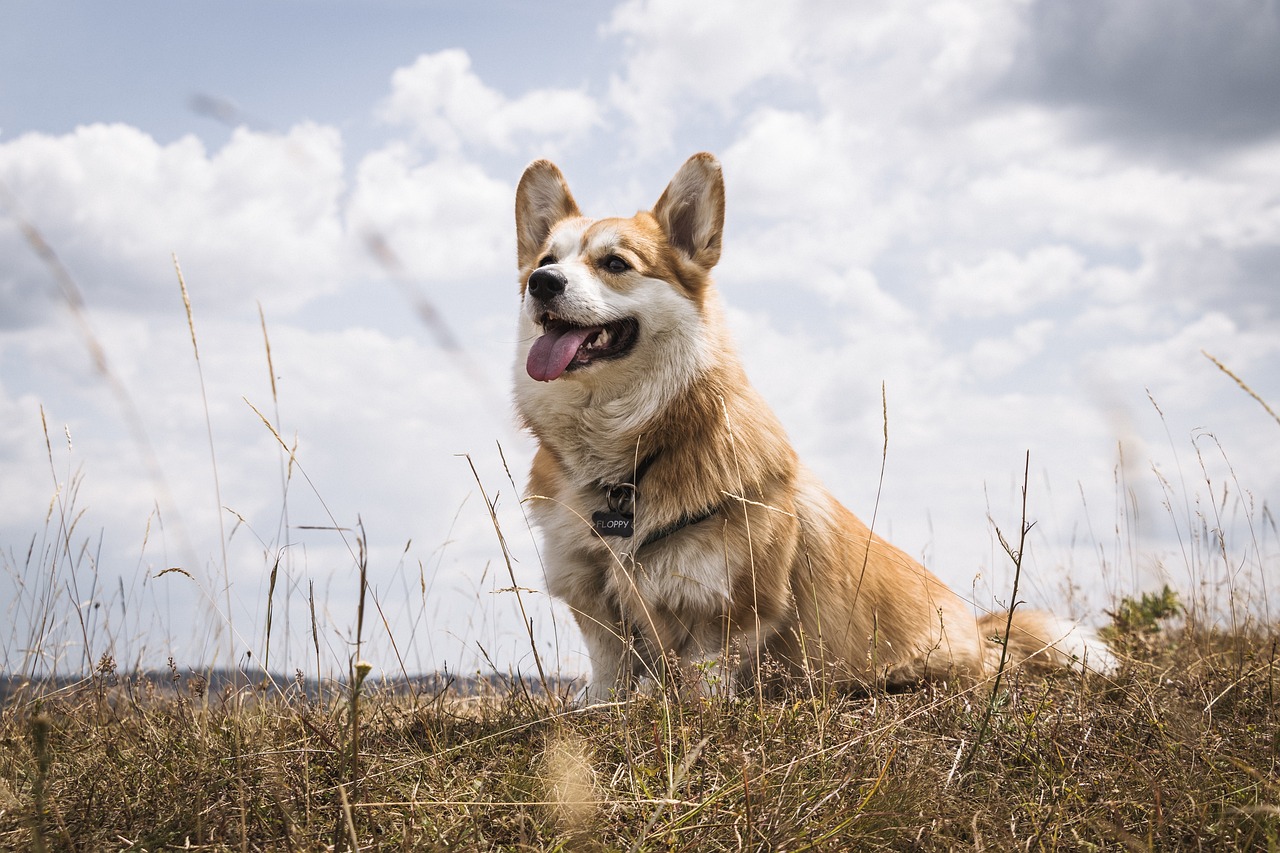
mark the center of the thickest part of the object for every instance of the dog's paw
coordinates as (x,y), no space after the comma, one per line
(595,694)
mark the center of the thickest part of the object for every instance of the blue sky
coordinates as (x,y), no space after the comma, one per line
(69,63)
(1023,221)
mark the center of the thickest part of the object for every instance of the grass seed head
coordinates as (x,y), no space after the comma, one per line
(570,782)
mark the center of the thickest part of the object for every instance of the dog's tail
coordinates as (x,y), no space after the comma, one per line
(1043,641)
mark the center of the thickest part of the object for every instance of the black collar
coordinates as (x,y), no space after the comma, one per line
(618,520)
(676,527)
(636,475)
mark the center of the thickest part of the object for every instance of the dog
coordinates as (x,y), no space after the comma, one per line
(678,524)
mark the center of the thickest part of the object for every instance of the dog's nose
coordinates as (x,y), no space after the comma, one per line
(546,284)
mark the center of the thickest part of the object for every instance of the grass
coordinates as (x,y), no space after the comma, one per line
(1179,751)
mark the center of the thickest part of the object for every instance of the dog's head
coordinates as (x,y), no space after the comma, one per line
(601,295)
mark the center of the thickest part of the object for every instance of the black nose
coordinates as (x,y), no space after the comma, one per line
(546,284)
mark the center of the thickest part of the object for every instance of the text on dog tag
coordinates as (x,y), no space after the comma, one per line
(610,523)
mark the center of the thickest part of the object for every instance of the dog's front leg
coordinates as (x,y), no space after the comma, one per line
(709,664)
(611,648)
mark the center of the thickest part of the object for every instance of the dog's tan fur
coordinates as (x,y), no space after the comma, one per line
(781,570)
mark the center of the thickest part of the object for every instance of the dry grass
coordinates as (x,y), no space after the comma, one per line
(1178,752)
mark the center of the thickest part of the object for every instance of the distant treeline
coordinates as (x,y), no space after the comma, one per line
(214,683)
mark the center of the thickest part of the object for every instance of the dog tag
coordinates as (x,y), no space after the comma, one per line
(610,523)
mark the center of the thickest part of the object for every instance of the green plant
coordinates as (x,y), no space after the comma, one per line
(1135,621)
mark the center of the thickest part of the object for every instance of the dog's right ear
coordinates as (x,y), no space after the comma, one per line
(542,200)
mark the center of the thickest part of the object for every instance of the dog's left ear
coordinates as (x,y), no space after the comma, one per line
(691,210)
(542,200)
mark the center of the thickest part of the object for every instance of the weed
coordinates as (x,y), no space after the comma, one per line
(1136,622)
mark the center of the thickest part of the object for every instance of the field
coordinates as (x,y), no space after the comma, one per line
(1177,752)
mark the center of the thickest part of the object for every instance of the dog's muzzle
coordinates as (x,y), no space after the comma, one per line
(566,344)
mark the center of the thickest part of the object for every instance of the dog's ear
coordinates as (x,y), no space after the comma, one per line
(691,210)
(542,200)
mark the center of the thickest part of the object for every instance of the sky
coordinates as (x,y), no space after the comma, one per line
(964,241)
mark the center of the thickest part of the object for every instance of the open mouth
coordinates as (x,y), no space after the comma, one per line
(566,346)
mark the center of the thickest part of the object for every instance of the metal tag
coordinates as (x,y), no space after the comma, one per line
(610,523)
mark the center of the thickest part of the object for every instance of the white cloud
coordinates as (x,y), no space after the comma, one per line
(993,357)
(1100,205)
(379,423)
(1173,364)
(1002,283)
(784,165)
(379,417)
(22,449)
(874,64)
(445,104)
(446,219)
(263,211)
(682,57)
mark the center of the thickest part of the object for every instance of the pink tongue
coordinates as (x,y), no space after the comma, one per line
(550,354)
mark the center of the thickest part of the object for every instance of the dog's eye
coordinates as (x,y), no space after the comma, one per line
(546,260)
(615,264)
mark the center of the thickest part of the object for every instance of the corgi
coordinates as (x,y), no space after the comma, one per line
(678,524)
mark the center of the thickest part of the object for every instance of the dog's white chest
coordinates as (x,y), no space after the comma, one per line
(683,568)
